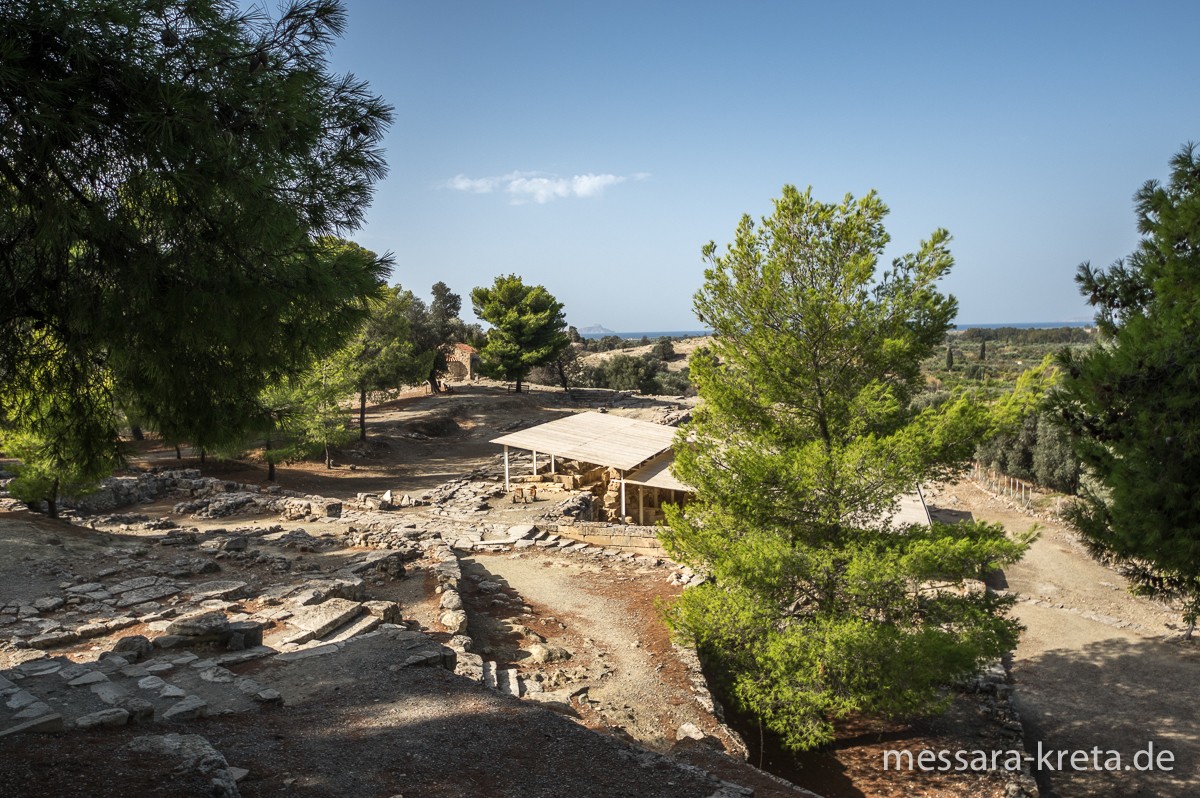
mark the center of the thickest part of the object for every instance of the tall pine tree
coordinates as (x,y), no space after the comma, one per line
(528,327)
(1131,402)
(818,606)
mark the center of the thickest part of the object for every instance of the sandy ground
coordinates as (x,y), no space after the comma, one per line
(1097,666)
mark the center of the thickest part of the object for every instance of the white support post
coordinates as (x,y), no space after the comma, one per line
(552,464)
(506,486)
(622,497)
(535,462)
(641,505)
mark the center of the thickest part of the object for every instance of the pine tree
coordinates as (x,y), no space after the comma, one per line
(528,327)
(1131,402)
(817,606)
(168,172)
(386,352)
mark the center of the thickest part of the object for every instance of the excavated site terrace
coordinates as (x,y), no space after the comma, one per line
(181,634)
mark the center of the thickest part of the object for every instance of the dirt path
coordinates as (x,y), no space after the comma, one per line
(612,621)
(629,681)
(1097,667)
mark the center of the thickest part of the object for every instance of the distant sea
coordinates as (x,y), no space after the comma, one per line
(651,335)
(1027,325)
(1024,325)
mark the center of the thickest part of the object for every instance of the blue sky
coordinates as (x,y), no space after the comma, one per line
(594,148)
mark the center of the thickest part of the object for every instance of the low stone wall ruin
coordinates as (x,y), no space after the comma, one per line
(623,537)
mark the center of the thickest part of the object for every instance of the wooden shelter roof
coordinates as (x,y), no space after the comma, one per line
(597,438)
(658,474)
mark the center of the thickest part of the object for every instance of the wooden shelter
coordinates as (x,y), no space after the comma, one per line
(640,451)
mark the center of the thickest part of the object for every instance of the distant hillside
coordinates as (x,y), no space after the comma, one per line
(596,329)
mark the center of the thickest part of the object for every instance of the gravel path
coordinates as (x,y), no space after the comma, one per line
(1097,667)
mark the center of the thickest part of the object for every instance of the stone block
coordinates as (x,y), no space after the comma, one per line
(60,637)
(111,718)
(187,709)
(168,641)
(219,589)
(35,710)
(455,621)
(320,619)
(210,624)
(142,595)
(133,647)
(140,710)
(387,611)
(48,723)
(249,632)
(91,677)
(133,584)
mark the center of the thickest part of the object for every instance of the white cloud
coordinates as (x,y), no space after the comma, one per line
(484,185)
(539,187)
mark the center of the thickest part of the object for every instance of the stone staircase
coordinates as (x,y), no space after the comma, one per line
(504,680)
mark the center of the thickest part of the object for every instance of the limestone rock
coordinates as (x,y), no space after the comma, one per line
(386,611)
(133,647)
(60,637)
(195,753)
(133,584)
(455,621)
(203,624)
(542,653)
(152,593)
(521,530)
(106,717)
(219,589)
(320,619)
(187,709)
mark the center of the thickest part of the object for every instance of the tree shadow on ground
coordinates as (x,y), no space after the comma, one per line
(1118,695)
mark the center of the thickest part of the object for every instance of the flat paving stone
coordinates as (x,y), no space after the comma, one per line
(218,589)
(133,584)
(91,677)
(320,619)
(188,708)
(147,594)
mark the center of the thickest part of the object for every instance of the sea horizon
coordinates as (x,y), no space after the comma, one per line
(1021,325)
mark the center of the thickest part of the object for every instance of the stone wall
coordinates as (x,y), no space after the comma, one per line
(623,537)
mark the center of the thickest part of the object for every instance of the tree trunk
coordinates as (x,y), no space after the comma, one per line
(202,453)
(518,388)
(562,376)
(178,453)
(270,470)
(52,500)
(362,414)
(433,384)
(137,433)
(328,457)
